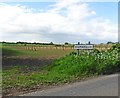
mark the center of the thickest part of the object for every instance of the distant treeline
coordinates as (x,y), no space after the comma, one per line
(36,43)
(51,43)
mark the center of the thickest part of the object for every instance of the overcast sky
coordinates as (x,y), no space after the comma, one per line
(59,22)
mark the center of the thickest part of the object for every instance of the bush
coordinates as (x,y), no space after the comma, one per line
(96,62)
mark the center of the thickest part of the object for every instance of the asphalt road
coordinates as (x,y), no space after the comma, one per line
(102,86)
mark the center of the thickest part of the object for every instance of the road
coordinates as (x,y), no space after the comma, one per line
(102,86)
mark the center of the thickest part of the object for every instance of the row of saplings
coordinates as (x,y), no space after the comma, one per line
(96,62)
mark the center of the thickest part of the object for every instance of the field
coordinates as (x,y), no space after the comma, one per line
(31,67)
(31,54)
(34,51)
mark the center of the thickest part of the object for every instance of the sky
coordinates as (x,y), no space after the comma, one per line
(59,22)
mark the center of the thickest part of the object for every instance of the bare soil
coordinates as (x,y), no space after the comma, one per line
(8,62)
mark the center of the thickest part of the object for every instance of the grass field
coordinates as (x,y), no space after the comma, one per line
(65,67)
(21,51)
(40,51)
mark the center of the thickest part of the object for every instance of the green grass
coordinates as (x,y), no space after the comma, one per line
(64,70)
(10,52)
